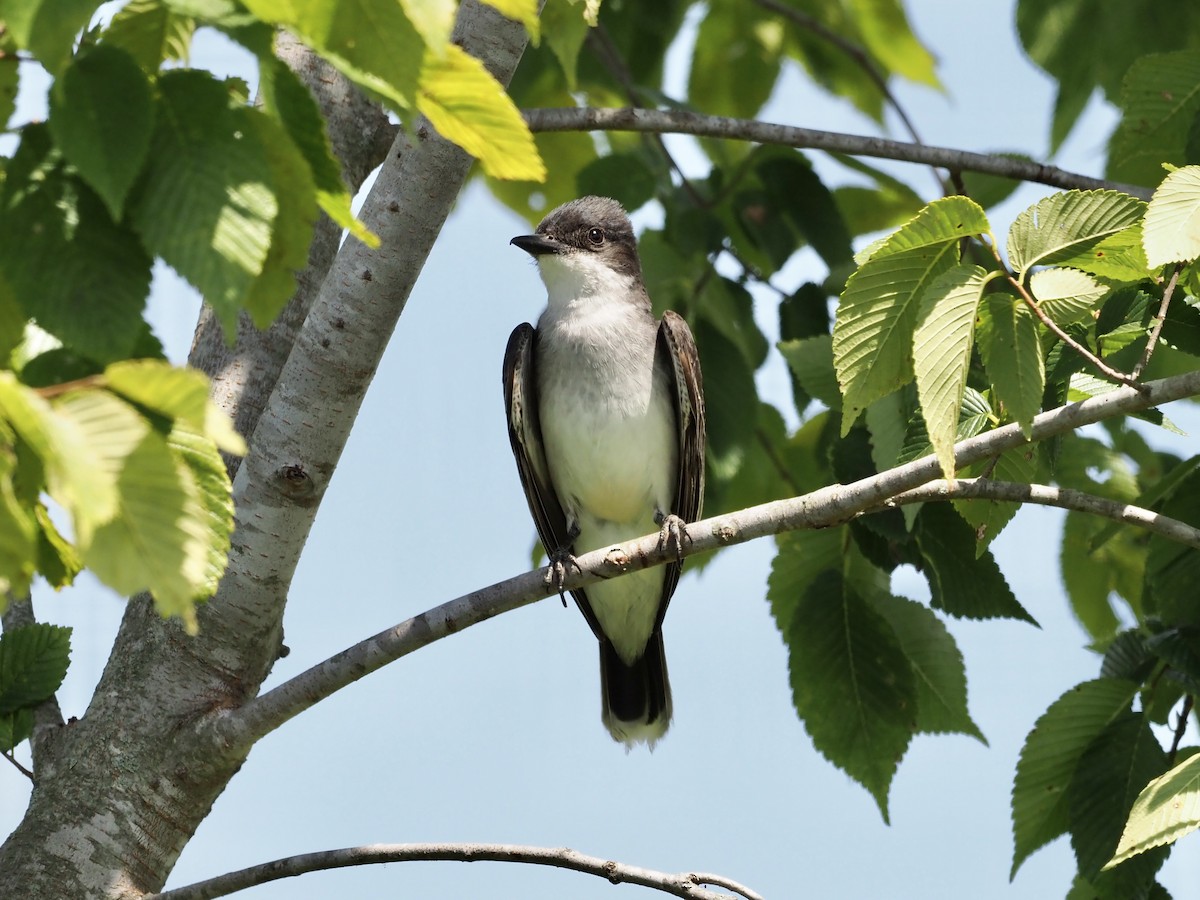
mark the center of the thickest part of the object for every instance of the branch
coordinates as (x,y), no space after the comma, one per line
(832,505)
(658,121)
(1160,319)
(685,885)
(1047,495)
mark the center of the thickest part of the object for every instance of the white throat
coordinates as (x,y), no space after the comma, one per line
(570,277)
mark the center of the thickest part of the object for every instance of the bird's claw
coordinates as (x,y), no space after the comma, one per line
(556,572)
(672,534)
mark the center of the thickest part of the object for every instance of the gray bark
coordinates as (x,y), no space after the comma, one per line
(119,793)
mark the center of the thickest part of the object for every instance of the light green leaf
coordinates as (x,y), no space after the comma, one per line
(523,11)
(33,663)
(47,28)
(942,353)
(1065,225)
(151,32)
(887,423)
(735,38)
(1012,355)
(989,517)
(811,361)
(890,39)
(1050,756)
(157,540)
(371,42)
(1166,809)
(1066,295)
(1172,231)
(102,116)
(468,106)
(877,315)
(18,530)
(852,685)
(433,20)
(937,666)
(57,559)
(1118,257)
(211,480)
(566,31)
(1160,98)
(176,393)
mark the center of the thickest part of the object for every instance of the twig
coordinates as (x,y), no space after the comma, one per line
(660,121)
(1180,727)
(1159,319)
(20,768)
(831,505)
(1104,368)
(685,885)
(1046,495)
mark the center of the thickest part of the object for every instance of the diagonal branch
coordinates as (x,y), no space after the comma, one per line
(832,505)
(687,885)
(1048,495)
(1160,319)
(657,121)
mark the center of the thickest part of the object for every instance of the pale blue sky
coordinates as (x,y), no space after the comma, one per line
(494,734)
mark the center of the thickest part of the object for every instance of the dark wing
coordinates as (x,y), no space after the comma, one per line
(677,349)
(525,435)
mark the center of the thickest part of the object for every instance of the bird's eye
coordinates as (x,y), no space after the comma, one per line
(596,236)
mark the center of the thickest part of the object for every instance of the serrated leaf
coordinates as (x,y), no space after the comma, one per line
(1160,97)
(523,11)
(800,558)
(937,667)
(33,663)
(887,422)
(877,314)
(811,362)
(433,20)
(1050,756)
(566,31)
(989,517)
(468,106)
(1118,257)
(57,559)
(962,584)
(1172,569)
(1167,809)
(177,393)
(157,540)
(14,728)
(1066,295)
(371,42)
(1172,230)
(102,116)
(199,454)
(1012,354)
(851,683)
(942,353)
(151,32)
(1067,224)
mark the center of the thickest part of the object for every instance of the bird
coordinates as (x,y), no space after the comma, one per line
(605,409)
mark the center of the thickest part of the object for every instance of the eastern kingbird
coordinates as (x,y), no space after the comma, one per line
(606,419)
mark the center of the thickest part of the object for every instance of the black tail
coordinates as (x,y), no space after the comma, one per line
(636,698)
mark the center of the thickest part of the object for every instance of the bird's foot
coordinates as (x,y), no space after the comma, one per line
(561,561)
(672,533)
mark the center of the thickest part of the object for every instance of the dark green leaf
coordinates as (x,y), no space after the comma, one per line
(1159,100)
(801,558)
(9,79)
(1172,569)
(730,396)
(14,728)
(1127,657)
(33,663)
(622,176)
(734,38)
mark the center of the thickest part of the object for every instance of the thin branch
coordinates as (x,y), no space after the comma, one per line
(20,768)
(1104,368)
(685,885)
(1047,495)
(832,505)
(1159,319)
(1180,727)
(658,121)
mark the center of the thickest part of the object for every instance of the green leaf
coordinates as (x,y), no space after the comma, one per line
(157,540)
(942,353)
(1109,775)
(937,666)
(811,362)
(433,20)
(47,28)
(14,728)
(622,176)
(371,42)
(523,11)
(801,557)
(33,663)
(962,584)
(211,479)
(887,34)
(208,204)
(992,190)
(741,39)
(81,276)
(566,31)
(176,393)
(1067,225)
(18,530)
(57,560)
(1118,257)
(1012,355)
(989,517)
(877,315)
(1173,569)
(9,80)
(887,423)
(151,32)
(102,117)
(469,107)
(1166,809)
(1160,98)
(852,685)
(731,399)
(1172,230)
(1052,751)
(1066,295)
